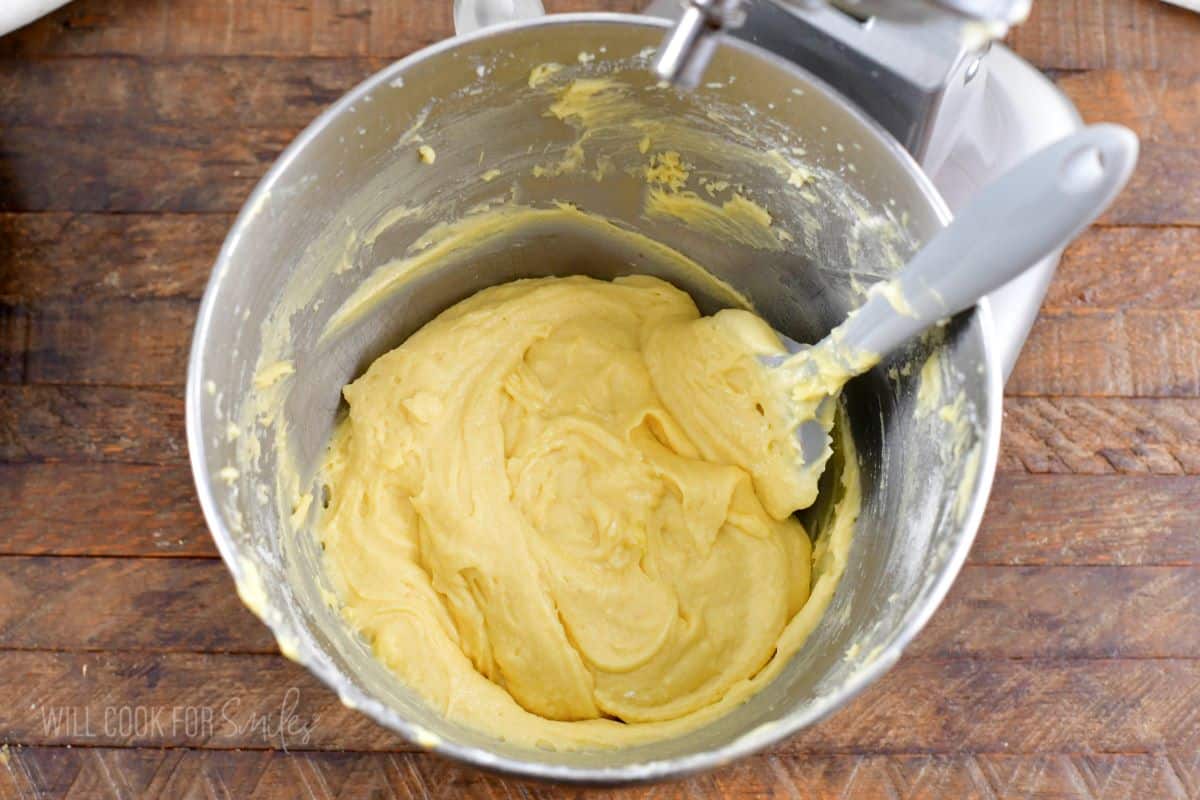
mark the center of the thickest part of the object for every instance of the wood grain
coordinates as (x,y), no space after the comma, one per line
(95,27)
(279,28)
(1065,35)
(1090,519)
(1065,612)
(1018,707)
(263,27)
(1060,665)
(1032,520)
(144,341)
(130,604)
(1115,34)
(53,508)
(183,604)
(50,255)
(1101,436)
(920,706)
(1042,435)
(130,161)
(1111,325)
(86,258)
(14,342)
(216,93)
(1136,353)
(97,256)
(89,424)
(69,509)
(1126,268)
(253,701)
(1117,323)
(155,27)
(117,342)
(102,772)
(147,168)
(1162,108)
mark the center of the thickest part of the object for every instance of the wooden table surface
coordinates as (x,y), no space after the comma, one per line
(1065,662)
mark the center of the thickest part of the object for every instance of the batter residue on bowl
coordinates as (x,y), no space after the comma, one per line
(561,512)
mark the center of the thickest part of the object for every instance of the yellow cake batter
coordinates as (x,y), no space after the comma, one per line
(561,513)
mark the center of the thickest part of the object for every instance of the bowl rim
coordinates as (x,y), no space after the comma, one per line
(656,769)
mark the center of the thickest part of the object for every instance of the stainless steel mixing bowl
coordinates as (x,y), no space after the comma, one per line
(325,217)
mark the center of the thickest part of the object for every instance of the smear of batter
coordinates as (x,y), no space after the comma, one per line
(555,532)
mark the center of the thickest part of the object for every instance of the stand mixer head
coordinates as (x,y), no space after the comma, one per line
(687,49)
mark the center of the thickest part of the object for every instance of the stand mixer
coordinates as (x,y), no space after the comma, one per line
(351,196)
(928,71)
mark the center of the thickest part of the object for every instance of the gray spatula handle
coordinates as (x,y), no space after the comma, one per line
(1035,208)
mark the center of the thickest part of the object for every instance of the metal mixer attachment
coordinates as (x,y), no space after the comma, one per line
(687,49)
(930,72)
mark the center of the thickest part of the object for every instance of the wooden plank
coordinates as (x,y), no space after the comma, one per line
(274,27)
(102,772)
(99,256)
(1075,349)
(262,27)
(1129,268)
(401,28)
(95,257)
(1047,520)
(1080,435)
(95,27)
(1090,519)
(191,163)
(175,604)
(69,509)
(920,706)
(144,342)
(166,255)
(1080,351)
(1113,34)
(116,342)
(14,342)
(1101,435)
(1136,353)
(398,29)
(1065,612)
(1162,108)
(1072,34)
(1018,707)
(1032,520)
(148,168)
(181,604)
(215,93)
(54,255)
(157,699)
(91,423)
